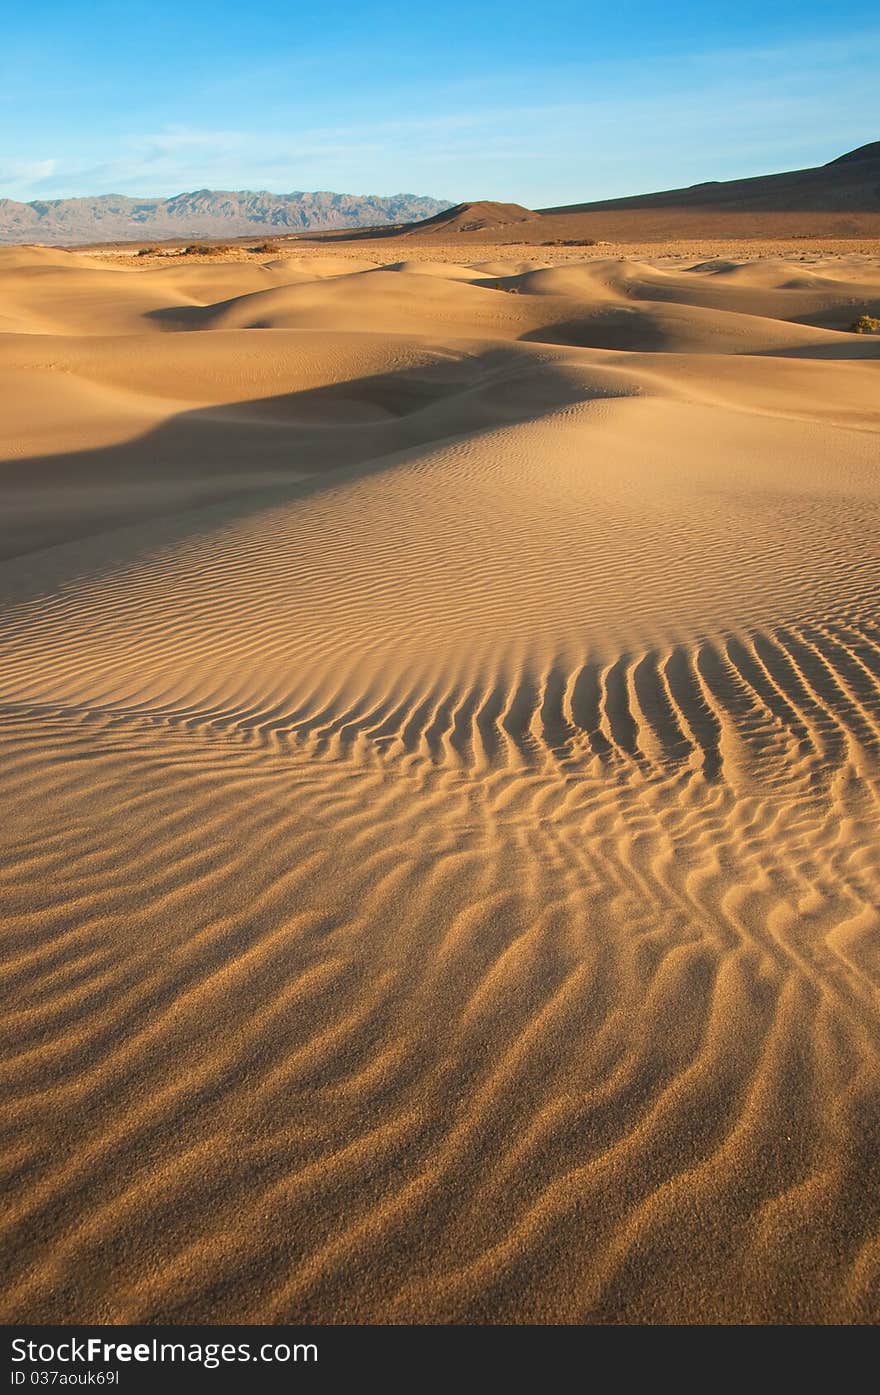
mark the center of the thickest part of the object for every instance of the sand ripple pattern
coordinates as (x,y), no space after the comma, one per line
(551,1000)
(440,853)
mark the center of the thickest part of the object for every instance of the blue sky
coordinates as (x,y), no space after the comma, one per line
(539,103)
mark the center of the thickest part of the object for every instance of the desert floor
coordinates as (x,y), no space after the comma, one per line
(440,772)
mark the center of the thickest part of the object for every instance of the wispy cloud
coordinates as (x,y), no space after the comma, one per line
(25,174)
(180,158)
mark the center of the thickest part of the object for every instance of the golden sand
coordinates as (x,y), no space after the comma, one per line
(440,767)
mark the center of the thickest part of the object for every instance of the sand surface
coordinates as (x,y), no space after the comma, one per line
(440,771)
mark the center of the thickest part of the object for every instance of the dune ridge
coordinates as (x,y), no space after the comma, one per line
(440,720)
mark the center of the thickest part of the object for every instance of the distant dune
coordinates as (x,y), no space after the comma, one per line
(440,770)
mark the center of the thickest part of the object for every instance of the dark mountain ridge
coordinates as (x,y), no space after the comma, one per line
(848,184)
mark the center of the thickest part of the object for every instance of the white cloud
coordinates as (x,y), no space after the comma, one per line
(22,174)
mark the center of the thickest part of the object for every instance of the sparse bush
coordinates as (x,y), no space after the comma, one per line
(204,249)
(865,324)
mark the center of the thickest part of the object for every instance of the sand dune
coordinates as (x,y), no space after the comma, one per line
(440,730)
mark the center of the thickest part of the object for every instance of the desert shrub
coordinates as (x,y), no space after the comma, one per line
(865,324)
(203,249)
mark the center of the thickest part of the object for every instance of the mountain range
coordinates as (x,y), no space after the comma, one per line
(841,198)
(203,213)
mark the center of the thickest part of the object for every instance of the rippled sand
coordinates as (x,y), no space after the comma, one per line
(440,763)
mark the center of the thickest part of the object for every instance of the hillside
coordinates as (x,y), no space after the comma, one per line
(203,213)
(481,216)
(840,200)
(849,184)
